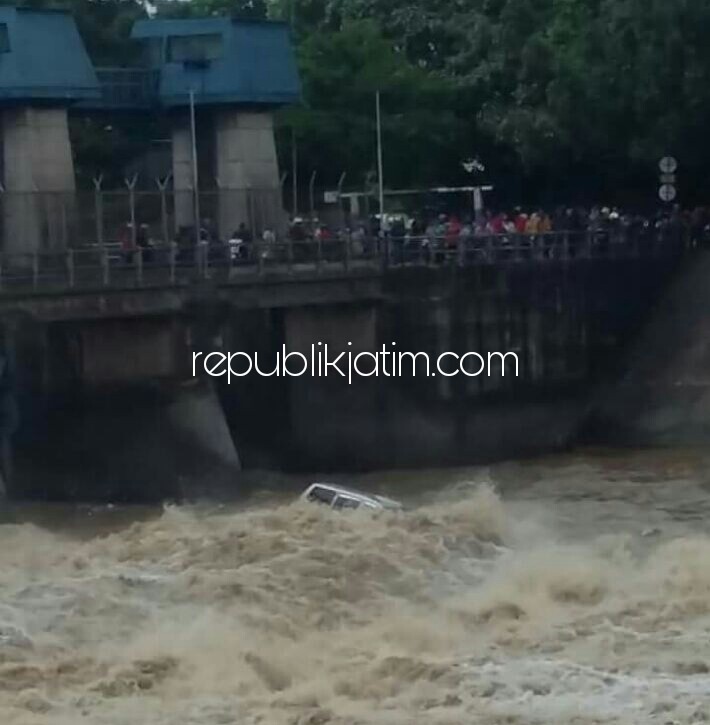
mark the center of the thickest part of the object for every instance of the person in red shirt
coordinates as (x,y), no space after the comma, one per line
(521,221)
(453,230)
(496,224)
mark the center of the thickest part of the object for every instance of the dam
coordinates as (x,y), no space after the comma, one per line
(106,393)
(100,323)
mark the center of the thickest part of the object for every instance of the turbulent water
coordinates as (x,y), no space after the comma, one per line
(571,590)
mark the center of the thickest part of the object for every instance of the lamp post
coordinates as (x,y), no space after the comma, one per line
(470,166)
(195,178)
(379,160)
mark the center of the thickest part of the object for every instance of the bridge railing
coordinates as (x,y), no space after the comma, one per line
(166,265)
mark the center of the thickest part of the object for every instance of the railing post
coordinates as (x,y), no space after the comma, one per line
(131,185)
(311,197)
(205,249)
(139,265)
(35,269)
(105,266)
(319,254)
(230,260)
(162,187)
(346,258)
(259,257)
(289,254)
(99,209)
(70,267)
(173,255)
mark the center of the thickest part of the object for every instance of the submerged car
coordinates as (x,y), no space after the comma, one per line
(339,497)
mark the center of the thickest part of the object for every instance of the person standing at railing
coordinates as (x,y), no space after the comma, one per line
(521,220)
(453,229)
(357,241)
(237,248)
(143,243)
(532,226)
(268,243)
(545,222)
(495,224)
(125,239)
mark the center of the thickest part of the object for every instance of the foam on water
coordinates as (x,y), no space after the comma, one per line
(473,607)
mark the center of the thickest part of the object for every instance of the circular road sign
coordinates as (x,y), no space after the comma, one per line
(668,165)
(667,192)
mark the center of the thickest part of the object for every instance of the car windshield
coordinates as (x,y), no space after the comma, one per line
(321,495)
(345,502)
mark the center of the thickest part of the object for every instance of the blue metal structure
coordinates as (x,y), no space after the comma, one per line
(223,61)
(43,59)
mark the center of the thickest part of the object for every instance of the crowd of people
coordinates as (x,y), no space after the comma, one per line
(447,231)
(539,221)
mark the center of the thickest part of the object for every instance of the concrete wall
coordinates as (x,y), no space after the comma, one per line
(237,156)
(568,323)
(661,395)
(330,419)
(247,170)
(104,403)
(38,178)
(128,351)
(109,411)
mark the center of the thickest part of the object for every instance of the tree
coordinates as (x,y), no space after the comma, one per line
(341,72)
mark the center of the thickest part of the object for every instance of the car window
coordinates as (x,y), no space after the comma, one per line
(321,495)
(345,502)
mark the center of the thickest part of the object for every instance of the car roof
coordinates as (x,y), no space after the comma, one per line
(354,493)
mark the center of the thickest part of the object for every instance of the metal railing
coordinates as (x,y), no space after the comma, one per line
(170,265)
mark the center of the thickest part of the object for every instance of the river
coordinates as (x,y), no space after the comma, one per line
(570,589)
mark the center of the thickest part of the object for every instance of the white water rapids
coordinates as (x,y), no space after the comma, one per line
(568,590)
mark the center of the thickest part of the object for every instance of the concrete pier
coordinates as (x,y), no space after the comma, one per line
(38,178)
(247,170)
(197,415)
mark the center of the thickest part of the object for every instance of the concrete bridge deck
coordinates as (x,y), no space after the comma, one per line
(95,282)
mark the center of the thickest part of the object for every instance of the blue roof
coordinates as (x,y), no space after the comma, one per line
(254,63)
(43,57)
(160,28)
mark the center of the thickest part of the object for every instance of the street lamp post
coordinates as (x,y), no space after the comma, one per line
(379,161)
(195,178)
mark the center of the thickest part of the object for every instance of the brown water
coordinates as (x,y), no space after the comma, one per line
(566,590)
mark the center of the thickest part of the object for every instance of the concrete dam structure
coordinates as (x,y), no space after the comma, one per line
(216,81)
(109,408)
(662,394)
(97,394)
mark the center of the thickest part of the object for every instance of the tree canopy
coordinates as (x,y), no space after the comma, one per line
(555,96)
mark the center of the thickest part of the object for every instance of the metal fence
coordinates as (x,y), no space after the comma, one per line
(50,221)
(165,265)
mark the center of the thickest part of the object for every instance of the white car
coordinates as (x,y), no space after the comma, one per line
(338,497)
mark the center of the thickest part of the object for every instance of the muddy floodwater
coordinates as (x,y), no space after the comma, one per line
(573,589)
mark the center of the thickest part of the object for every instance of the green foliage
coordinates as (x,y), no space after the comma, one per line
(342,70)
(564,92)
